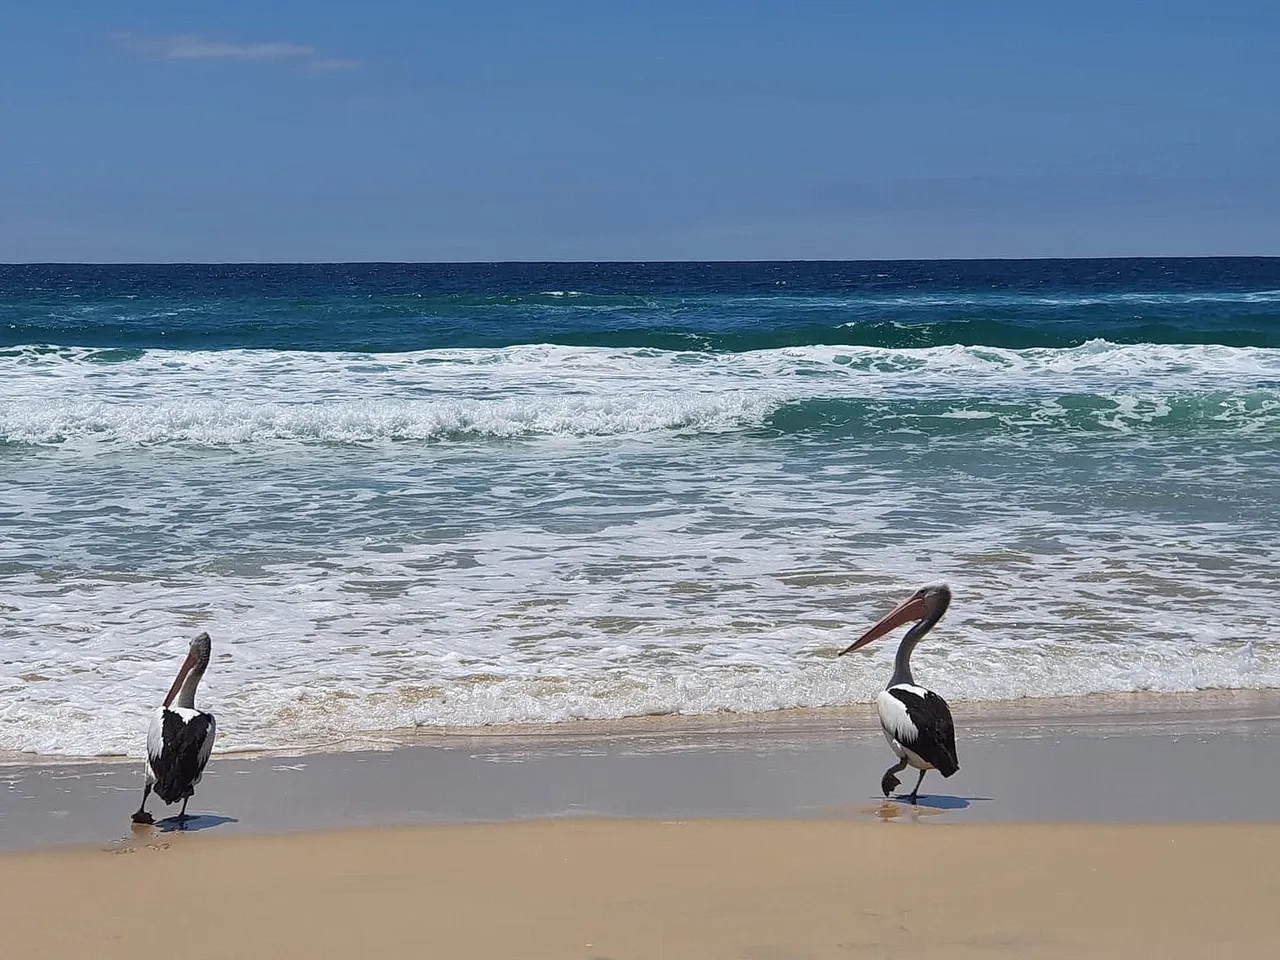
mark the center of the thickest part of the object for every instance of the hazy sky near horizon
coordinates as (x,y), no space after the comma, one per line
(664,130)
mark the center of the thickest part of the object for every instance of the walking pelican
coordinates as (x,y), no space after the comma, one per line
(916,722)
(180,738)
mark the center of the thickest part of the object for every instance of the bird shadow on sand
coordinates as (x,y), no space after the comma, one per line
(937,802)
(194,822)
(898,807)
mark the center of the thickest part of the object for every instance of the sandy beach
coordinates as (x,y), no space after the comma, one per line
(698,889)
(1142,825)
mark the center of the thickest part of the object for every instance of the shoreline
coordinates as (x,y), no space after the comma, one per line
(1097,760)
(1122,712)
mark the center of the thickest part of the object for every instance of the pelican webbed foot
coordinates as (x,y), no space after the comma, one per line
(889,782)
(140,815)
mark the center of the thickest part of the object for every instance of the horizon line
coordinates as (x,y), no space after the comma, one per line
(634,262)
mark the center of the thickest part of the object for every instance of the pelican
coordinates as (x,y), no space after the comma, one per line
(180,738)
(916,722)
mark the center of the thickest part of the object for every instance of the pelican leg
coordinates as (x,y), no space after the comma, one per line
(888,782)
(182,814)
(912,797)
(140,815)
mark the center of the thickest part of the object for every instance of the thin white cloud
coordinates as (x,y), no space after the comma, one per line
(193,48)
(196,47)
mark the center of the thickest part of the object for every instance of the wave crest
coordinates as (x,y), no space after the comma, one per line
(214,423)
(63,395)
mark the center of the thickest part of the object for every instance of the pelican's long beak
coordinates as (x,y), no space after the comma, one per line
(187,664)
(908,612)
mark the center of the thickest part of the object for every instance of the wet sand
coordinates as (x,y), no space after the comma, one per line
(1133,759)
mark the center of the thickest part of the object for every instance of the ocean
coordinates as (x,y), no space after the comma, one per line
(406,496)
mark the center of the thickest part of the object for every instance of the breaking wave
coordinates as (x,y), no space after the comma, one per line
(227,398)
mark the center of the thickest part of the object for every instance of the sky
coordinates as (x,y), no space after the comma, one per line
(598,130)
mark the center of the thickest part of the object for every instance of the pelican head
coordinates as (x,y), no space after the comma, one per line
(197,660)
(926,606)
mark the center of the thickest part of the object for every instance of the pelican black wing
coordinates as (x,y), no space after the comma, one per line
(935,739)
(183,755)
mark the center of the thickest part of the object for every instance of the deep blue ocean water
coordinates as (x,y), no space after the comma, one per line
(426,494)
(672,306)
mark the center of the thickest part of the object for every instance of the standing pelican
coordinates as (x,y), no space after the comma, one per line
(916,722)
(180,738)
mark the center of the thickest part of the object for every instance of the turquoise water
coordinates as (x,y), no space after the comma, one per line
(403,495)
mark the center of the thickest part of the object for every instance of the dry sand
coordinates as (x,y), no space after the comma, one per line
(646,889)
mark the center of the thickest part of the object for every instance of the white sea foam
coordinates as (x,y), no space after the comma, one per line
(234,397)
(366,594)
(307,668)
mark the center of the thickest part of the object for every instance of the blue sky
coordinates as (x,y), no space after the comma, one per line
(658,130)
